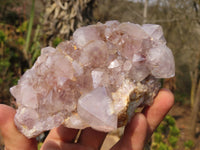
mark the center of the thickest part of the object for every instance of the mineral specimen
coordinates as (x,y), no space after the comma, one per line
(96,80)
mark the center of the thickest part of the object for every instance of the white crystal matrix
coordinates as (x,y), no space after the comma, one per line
(96,80)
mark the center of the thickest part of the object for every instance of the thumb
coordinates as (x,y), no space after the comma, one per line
(13,139)
(134,134)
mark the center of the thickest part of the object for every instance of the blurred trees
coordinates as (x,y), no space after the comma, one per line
(22,35)
(12,29)
(195,75)
(145,11)
(10,11)
(122,10)
(180,21)
(62,17)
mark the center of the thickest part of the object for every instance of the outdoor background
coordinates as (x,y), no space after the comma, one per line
(27,26)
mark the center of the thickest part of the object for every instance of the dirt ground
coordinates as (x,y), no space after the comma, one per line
(182,114)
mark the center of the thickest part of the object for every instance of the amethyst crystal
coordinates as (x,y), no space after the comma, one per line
(95,80)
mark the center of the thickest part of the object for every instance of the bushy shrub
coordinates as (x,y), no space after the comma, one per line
(189,144)
(166,135)
(12,63)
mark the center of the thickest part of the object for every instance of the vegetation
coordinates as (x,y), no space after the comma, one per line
(166,135)
(189,144)
(14,60)
(12,64)
(39,145)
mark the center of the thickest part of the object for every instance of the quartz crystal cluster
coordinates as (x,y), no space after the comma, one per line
(95,80)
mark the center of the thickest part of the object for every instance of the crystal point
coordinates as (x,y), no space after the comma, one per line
(96,108)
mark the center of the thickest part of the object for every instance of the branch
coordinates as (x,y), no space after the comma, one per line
(196,10)
(145,11)
(28,37)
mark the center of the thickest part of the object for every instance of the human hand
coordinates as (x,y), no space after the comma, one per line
(136,133)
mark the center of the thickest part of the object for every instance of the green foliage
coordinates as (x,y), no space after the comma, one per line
(157,137)
(23,27)
(173,140)
(181,97)
(2,36)
(174,131)
(170,120)
(29,31)
(36,46)
(189,144)
(35,51)
(56,41)
(166,136)
(20,41)
(9,60)
(14,60)
(161,128)
(163,146)
(39,145)
(4,64)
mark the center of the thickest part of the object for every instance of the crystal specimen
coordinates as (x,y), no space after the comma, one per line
(96,80)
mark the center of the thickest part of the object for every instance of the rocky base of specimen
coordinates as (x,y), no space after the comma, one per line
(95,80)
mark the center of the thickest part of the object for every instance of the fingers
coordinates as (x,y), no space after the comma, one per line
(13,139)
(59,145)
(62,134)
(155,113)
(140,127)
(92,138)
(134,134)
(58,138)
(63,138)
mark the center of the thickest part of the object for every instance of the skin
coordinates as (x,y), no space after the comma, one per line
(136,134)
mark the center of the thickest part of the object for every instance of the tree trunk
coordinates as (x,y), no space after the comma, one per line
(145,11)
(194,74)
(194,77)
(61,18)
(170,83)
(195,110)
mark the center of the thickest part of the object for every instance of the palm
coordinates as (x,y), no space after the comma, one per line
(136,133)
